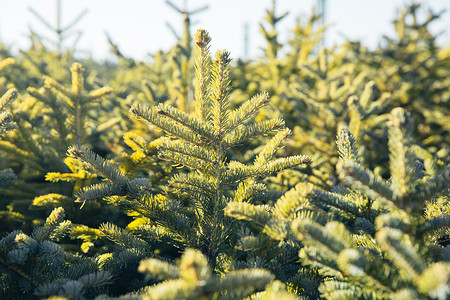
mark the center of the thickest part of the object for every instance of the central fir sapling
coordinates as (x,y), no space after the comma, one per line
(190,211)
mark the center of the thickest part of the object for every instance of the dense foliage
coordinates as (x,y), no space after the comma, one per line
(305,173)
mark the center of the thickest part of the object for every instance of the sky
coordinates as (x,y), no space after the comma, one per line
(139,27)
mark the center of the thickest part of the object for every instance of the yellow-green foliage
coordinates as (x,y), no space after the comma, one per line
(302,173)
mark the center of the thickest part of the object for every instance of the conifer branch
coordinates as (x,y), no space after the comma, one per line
(336,289)
(366,240)
(367,182)
(248,109)
(104,167)
(434,280)
(404,256)
(219,91)
(6,122)
(368,95)
(13,149)
(48,229)
(53,84)
(338,201)
(189,161)
(399,158)
(57,176)
(433,186)
(284,163)
(95,279)
(388,220)
(202,73)
(245,211)
(99,93)
(7,176)
(99,191)
(152,116)
(248,132)
(276,229)
(27,156)
(77,79)
(267,196)
(237,172)
(249,243)
(159,233)
(136,142)
(6,62)
(191,122)
(347,146)
(333,237)
(194,267)
(270,149)
(429,162)
(242,279)
(369,271)
(170,289)
(138,186)
(85,233)
(122,237)
(293,200)
(192,182)
(188,150)
(73,288)
(435,224)
(159,269)
(247,189)
(149,92)
(77,99)
(320,258)
(193,279)
(7,98)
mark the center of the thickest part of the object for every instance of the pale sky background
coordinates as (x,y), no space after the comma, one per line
(139,26)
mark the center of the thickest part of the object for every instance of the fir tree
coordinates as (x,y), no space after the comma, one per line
(6,124)
(181,56)
(62,32)
(36,266)
(372,238)
(193,279)
(48,120)
(414,70)
(190,212)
